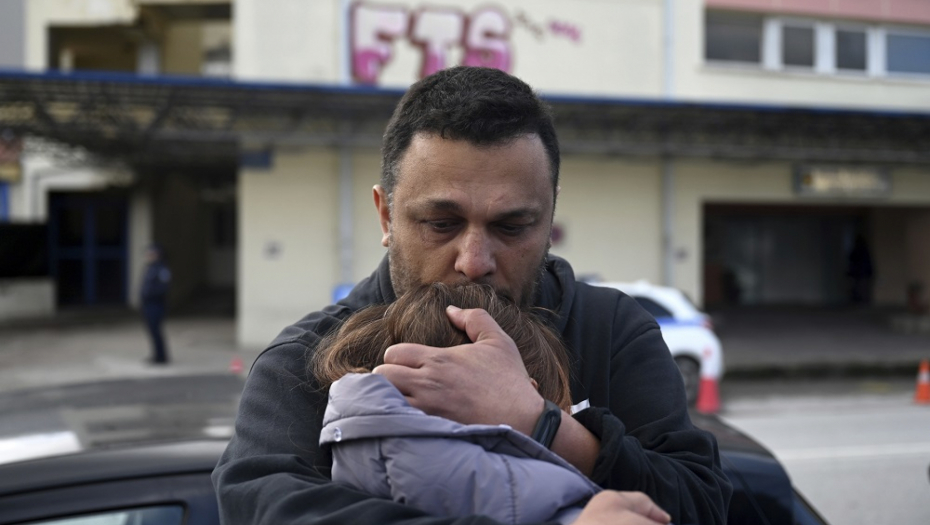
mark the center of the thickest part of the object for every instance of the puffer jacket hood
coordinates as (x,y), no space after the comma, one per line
(386,447)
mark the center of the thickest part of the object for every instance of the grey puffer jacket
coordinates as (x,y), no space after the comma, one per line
(385,447)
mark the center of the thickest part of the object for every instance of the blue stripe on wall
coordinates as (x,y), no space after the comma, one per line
(4,201)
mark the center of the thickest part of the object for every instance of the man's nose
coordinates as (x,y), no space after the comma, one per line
(476,256)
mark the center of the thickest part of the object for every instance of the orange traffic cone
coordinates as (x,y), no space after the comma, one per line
(922,395)
(235,366)
(708,401)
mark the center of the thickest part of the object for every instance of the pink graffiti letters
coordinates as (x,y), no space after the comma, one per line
(566,29)
(484,37)
(373,31)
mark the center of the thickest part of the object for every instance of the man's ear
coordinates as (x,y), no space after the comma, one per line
(384,213)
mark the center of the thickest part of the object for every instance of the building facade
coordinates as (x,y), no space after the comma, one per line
(736,149)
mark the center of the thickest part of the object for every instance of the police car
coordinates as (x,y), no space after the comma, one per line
(687,331)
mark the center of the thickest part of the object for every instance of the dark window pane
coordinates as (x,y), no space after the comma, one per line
(23,250)
(734,37)
(908,53)
(71,227)
(111,281)
(797,46)
(654,308)
(70,282)
(850,50)
(224,226)
(110,225)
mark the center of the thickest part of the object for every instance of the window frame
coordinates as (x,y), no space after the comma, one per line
(902,30)
(773,40)
(734,63)
(825,48)
(869,59)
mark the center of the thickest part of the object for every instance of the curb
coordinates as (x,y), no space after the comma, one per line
(823,370)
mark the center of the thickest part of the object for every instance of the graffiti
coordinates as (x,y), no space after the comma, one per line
(484,36)
(373,30)
(535,29)
(565,29)
(555,28)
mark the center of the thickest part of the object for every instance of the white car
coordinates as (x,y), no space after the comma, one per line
(687,331)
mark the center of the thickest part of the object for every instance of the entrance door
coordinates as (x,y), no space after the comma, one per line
(779,255)
(88,248)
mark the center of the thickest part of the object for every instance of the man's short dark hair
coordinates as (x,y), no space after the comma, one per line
(480,105)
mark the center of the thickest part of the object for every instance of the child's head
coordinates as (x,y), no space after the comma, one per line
(419,316)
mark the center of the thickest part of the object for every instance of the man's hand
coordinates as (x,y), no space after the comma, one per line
(480,383)
(622,508)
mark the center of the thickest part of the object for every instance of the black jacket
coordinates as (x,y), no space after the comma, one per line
(155,282)
(273,470)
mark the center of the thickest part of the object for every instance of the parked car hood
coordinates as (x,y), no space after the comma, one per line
(44,422)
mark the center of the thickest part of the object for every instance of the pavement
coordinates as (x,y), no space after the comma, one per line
(76,347)
(803,342)
(758,344)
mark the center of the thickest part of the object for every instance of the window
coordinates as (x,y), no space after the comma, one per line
(908,53)
(797,46)
(733,37)
(822,47)
(658,311)
(850,50)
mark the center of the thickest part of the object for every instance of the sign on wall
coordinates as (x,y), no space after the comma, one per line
(444,36)
(11,148)
(842,181)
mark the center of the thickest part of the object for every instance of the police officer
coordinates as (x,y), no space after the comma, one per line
(154,291)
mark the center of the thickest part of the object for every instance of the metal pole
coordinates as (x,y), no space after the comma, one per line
(346,216)
(668,41)
(668,165)
(668,221)
(345,51)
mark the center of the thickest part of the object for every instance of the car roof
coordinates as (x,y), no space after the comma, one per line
(671,299)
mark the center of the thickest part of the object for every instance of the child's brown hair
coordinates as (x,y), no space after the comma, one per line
(419,316)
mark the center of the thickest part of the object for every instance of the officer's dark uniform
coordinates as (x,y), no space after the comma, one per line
(154,290)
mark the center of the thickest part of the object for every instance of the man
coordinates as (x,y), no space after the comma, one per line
(155,283)
(468,188)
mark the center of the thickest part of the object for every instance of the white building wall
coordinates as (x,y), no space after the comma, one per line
(366,226)
(609,212)
(288,244)
(590,47)
(288,40)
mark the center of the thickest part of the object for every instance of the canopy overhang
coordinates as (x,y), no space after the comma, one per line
(160,121)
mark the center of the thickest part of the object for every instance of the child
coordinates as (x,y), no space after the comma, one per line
(385,447)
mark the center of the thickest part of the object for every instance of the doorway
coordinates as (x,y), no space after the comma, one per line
(88,248)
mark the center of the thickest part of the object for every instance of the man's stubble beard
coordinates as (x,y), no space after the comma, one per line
(404,280)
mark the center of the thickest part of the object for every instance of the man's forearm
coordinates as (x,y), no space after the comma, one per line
(576,444)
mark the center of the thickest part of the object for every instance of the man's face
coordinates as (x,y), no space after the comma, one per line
(469,213)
